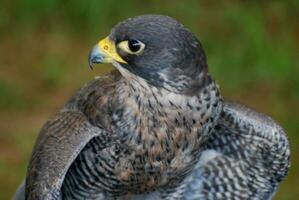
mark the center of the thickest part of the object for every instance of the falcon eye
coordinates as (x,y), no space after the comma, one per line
(134,45)
(131,46)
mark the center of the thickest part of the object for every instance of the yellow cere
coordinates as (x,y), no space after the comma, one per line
(108,48)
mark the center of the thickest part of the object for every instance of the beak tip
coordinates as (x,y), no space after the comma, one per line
(92,58)
(96,56)
(90,62)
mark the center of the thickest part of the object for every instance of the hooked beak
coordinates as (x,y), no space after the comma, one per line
(104,52)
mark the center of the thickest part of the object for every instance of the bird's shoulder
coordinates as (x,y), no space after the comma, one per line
(99,87)
(75,112)
(245,134)
(247,155)
(247,151)
(94,99)
(68,131)
(244,122)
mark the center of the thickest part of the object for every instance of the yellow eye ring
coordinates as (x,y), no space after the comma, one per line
(131,46)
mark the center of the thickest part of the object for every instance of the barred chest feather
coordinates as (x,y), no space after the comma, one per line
(162,132)
(159,138)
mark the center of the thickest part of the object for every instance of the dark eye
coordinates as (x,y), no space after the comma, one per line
(131,46)
(134,45)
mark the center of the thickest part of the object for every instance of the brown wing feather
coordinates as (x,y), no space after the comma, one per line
(60,141)
(65,135)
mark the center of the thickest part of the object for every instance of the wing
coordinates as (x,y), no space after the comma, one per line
(64,136)
(246,158)
(60,141)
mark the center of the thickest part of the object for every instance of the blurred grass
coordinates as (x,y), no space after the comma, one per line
(252,50)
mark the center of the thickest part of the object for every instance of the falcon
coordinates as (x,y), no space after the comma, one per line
(155,128)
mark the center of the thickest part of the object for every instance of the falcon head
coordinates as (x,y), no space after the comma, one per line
(157,49)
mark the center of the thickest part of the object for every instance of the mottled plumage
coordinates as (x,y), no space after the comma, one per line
(246,157)
(155,129)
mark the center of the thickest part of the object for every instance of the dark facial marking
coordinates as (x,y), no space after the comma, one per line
(172,58)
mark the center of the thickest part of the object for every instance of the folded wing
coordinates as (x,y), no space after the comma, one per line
(247,156)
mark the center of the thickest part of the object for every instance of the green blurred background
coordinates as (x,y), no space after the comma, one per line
(252,51)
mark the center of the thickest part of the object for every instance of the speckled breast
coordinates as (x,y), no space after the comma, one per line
(159,143)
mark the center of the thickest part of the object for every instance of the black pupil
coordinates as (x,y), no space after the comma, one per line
(134,45)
